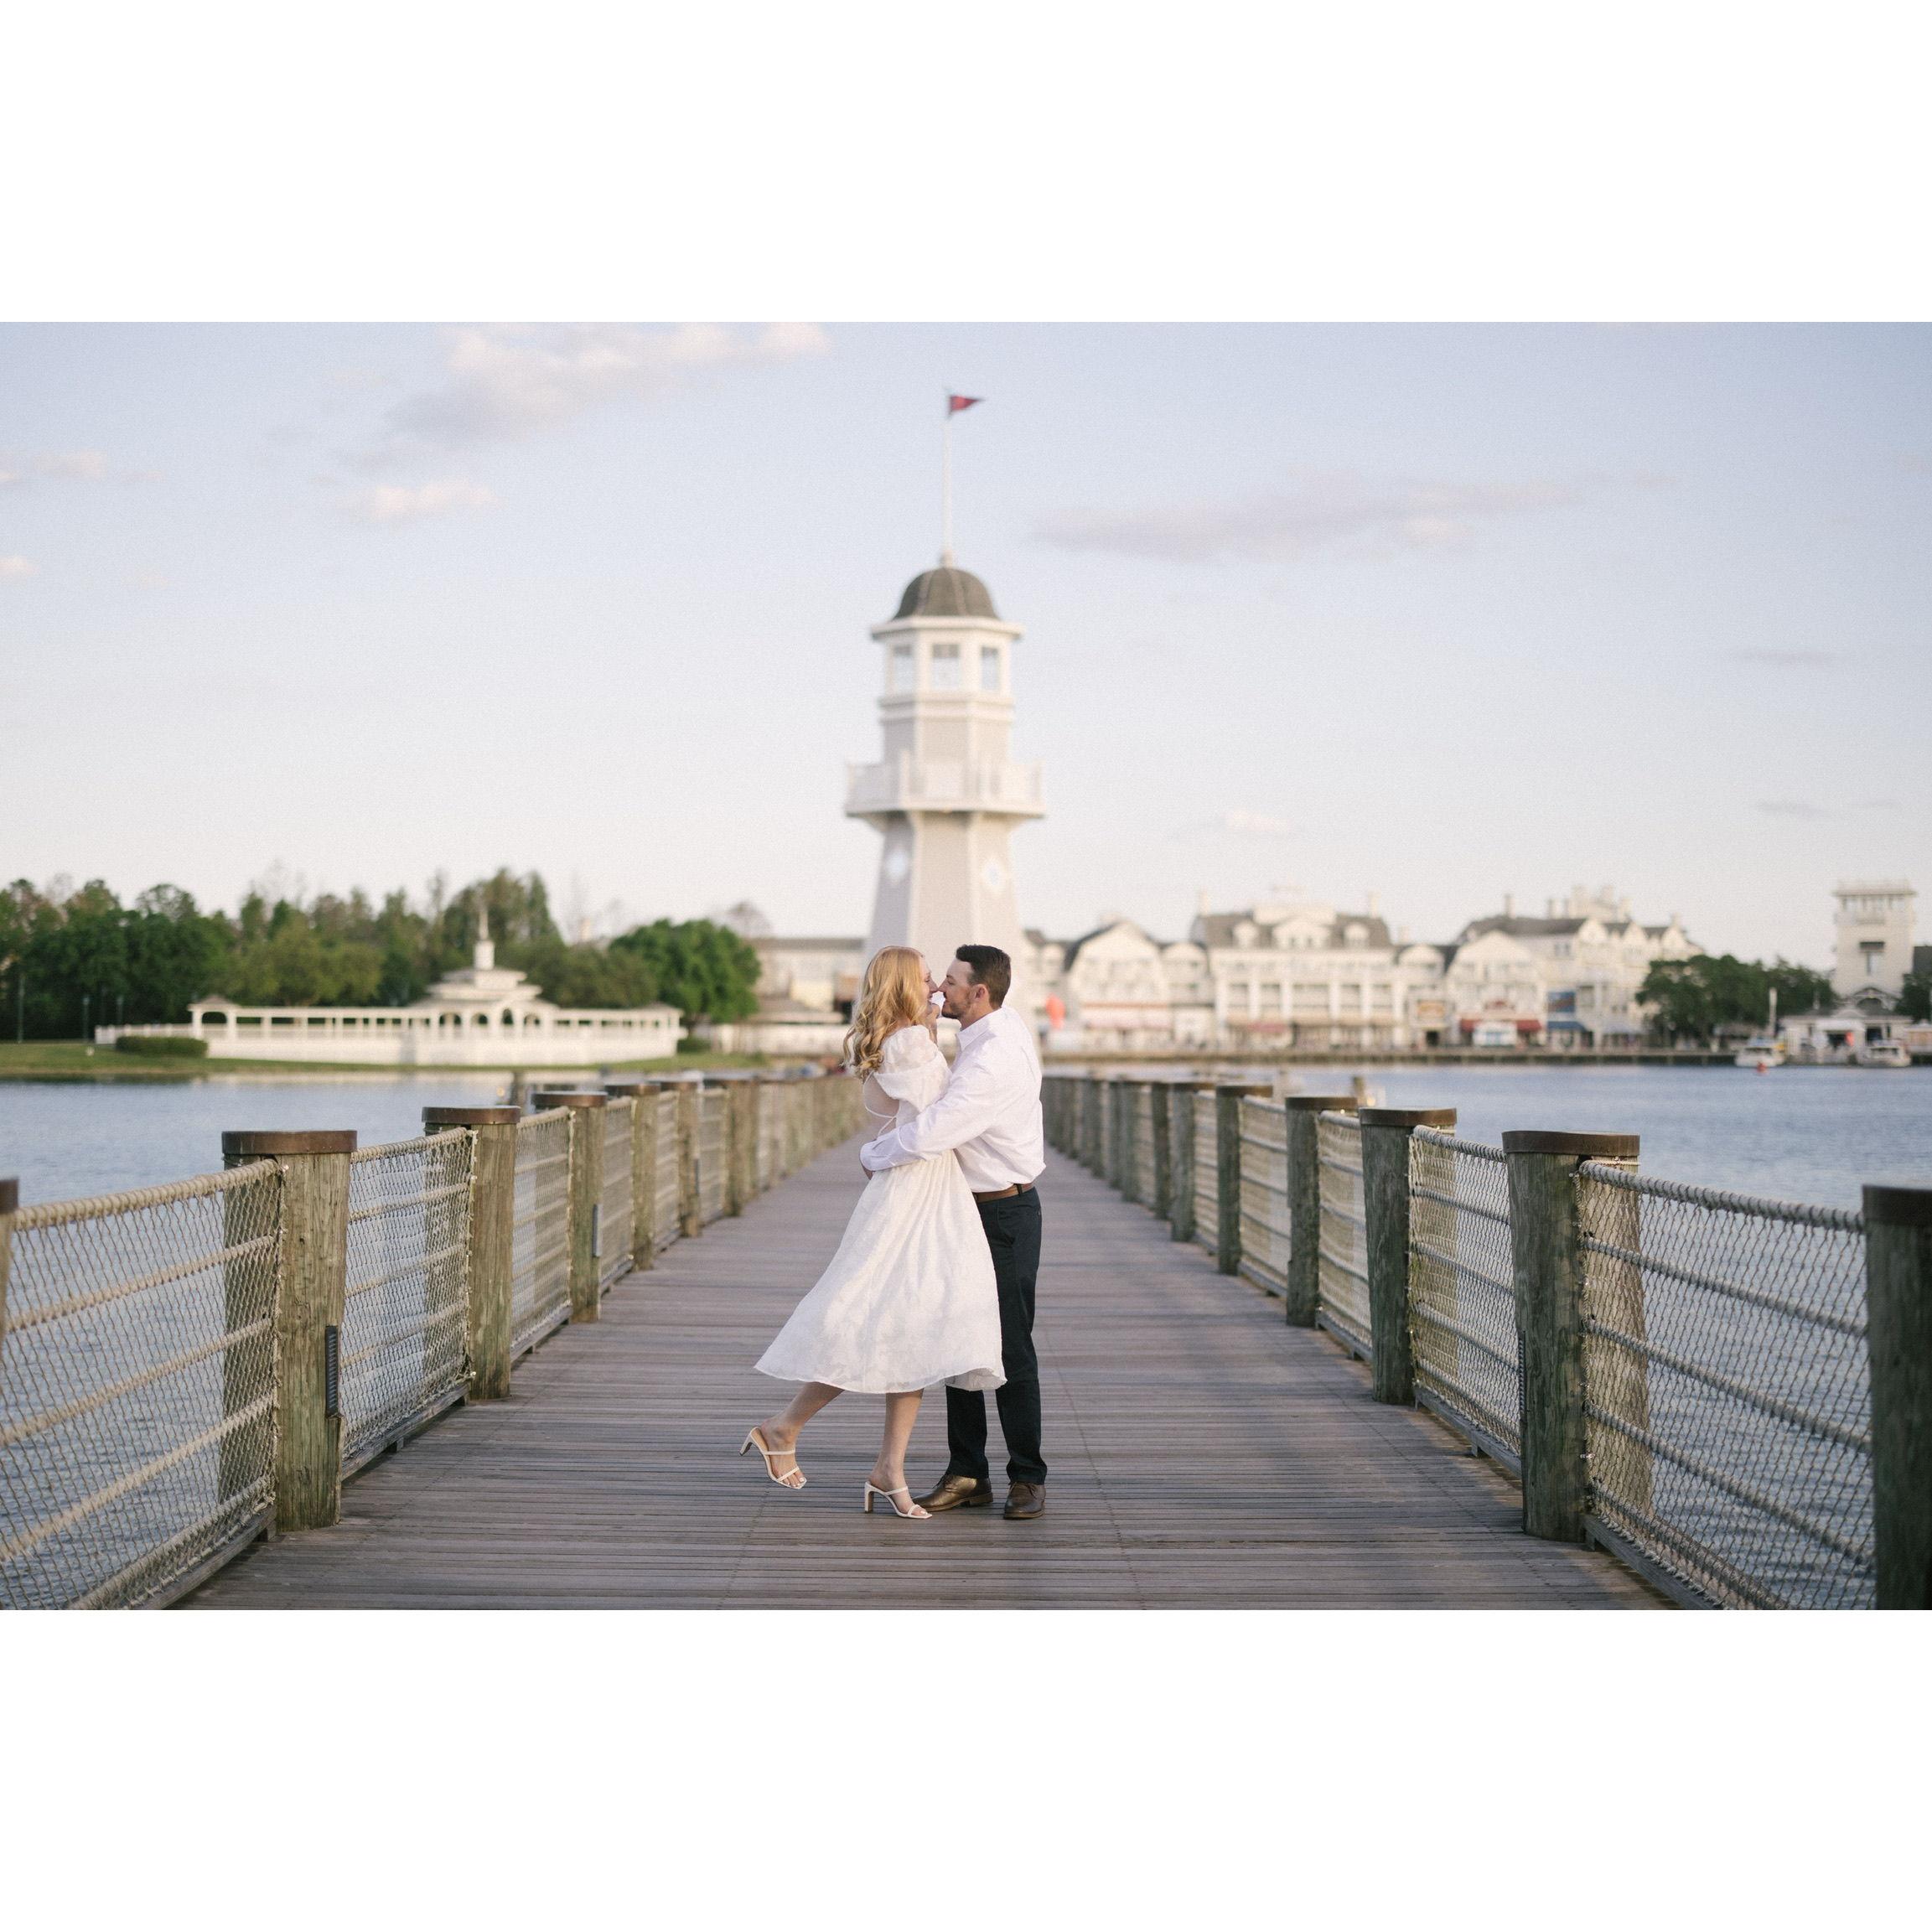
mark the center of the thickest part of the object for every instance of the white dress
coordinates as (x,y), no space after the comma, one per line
(909,1299)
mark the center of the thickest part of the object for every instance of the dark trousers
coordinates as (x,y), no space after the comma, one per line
(1012,1232)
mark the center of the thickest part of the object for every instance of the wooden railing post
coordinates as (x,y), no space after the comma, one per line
(311,1284)
(642,1098)
(1385,1133)
(1899,1337)
(690,1202)
(741,1169)
(1089,1147)
(1227,1174)
(1160,1181)
(1547,1264)
(586,1198)
(1303,1292)
(9,1206)
(1117,1173)
(1181,1160)
(492,1234)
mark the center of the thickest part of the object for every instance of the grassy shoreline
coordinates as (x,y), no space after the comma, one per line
(75,1060)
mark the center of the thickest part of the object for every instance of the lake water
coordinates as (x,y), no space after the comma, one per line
(1801,1133)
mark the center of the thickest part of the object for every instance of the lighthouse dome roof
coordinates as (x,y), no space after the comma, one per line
(946,591)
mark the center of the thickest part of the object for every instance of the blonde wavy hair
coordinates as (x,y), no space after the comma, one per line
(893,996)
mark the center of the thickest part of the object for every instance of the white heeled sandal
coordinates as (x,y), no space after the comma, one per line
(915,1513)
(754,1439)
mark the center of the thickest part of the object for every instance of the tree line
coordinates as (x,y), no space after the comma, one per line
(71,960)
(1690,999)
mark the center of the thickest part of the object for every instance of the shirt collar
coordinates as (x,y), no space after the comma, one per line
(980,1029)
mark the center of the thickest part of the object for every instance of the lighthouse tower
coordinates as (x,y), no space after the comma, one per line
(945,794)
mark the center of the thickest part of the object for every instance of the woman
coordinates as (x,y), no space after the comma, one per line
(909,1299)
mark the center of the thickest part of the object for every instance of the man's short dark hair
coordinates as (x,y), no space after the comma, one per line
(991,969)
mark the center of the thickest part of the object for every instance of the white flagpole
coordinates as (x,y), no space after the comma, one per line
(945,485)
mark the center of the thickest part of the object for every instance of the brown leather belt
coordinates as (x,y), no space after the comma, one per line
(1006,1194)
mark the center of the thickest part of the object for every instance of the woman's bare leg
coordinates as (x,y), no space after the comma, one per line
(889,1472)
(781,1431)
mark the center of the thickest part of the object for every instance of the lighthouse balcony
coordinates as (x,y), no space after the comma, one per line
(909,784)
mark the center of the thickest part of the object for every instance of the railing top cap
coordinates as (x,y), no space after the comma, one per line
(267,1143)
(1407,1116)
(471,1116)
(1585,1147)
(9,1196)
(622,1089)
(1321,1103)
(1890,1207)
(1244,1086)
(566,1097)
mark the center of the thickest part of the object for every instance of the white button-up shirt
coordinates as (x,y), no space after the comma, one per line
(989,1114)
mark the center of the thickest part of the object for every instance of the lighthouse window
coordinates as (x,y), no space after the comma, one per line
(989,671)
(945,667)
(899,677)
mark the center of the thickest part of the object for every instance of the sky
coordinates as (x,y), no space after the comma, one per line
(1440,613)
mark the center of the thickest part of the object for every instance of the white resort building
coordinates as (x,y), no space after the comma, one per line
(481,1015)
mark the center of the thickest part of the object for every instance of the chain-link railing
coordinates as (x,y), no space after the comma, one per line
(402,1355)
(713,1139)
(615,1214)
(1462,1290)
(540,1237)
(1342,1270)
(666,1178)
(1727,1388)
(1264,1227)
(1206,1179)
(136,1389)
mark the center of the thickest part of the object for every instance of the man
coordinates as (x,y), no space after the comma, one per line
(989,1115)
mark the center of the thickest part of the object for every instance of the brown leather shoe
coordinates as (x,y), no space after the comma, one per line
(958,1493)
(1026,1500)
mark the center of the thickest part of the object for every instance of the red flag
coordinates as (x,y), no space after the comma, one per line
(955,404)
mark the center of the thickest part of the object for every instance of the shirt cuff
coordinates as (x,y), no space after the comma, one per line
(875,1156)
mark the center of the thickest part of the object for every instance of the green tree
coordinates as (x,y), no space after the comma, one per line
(1691,999)
(1915,998)
(705,970)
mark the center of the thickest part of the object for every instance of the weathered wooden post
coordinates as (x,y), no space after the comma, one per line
(1118,1127)
(1899,1337)
(492,1234)
(9,1206)
(1181,1160)
(1090,1148)
(586,1197)
(690,1202)
(1160,1181)
(744,1122)
(311,1285)
(1385,1133)
(1228,1172)
(1547,1264)
(641,1095)
(1303,1292)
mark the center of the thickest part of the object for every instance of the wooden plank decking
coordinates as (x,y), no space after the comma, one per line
(1202,1455)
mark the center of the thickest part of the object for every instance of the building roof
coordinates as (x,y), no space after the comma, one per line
(946,591)
(1528,928)
(1217,929)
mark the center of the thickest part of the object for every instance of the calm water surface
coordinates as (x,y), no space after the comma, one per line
(1799,1133)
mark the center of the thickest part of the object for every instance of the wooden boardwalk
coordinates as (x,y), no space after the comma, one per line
(1201,1454)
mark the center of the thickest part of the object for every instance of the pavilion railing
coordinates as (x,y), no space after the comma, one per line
(185,1367)
(1732,1394)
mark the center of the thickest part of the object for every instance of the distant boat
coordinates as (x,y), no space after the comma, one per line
(1883,1053)
(1760,1053)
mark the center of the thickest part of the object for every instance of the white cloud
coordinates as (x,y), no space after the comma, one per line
(513,381)
(16,567)
(1320,510)
(394,502)
(67,466)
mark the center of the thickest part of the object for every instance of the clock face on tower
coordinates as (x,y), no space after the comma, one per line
(994,874)
(896,865)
